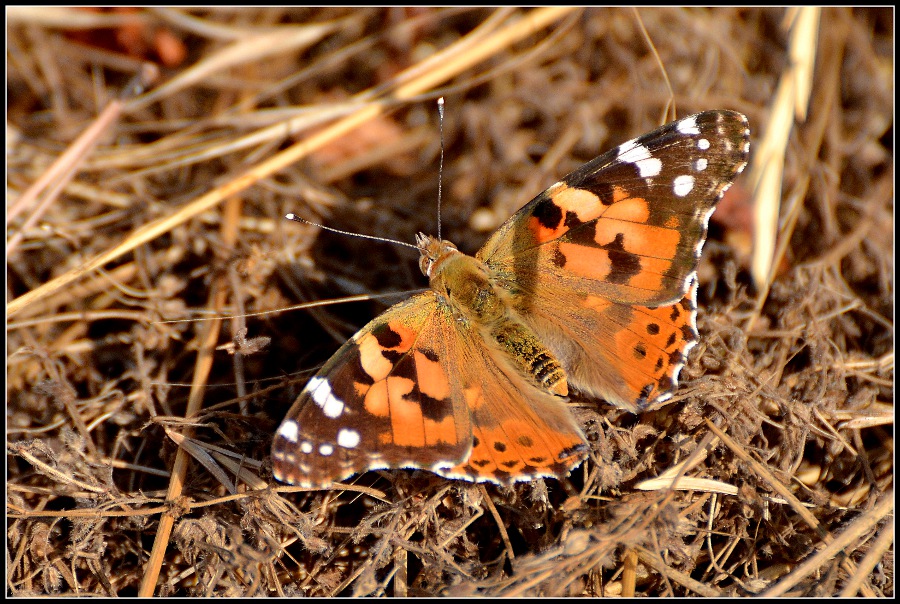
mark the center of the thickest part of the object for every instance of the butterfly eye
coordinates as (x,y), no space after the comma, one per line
(432,252)
(425,264)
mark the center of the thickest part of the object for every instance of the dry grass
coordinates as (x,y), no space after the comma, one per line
(138,450)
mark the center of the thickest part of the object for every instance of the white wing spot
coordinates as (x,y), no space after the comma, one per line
(683,185)
(326,449)
(289,430)
(688,125)
(700,164)
(703,144)
(306,447)
(320,391)
(348,438)
(639,155)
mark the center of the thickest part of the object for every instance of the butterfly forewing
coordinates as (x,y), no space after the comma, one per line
(382,401)
(601,265)
(629,224)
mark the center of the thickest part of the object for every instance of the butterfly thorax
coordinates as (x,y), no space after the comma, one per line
(467,287)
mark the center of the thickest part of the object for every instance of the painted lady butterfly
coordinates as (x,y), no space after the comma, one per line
(591,285)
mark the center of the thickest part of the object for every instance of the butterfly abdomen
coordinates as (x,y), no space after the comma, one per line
(530,355)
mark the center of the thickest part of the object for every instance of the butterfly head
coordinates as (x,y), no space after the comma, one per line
(432,251)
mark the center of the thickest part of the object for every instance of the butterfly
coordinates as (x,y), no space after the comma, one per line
(590,286)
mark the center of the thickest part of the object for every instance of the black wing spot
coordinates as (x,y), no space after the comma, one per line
(671,340)
(625,265)
(434,409)
(604,191)
(387,337)
(666,384)
(548,214)
(430,355)
(676,358)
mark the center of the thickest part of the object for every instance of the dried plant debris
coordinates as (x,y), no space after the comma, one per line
(138,442)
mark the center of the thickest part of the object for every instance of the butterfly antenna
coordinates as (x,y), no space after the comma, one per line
(296,218)
(440,103)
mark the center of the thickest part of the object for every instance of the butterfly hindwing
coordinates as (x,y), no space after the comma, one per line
(643,351)
(520,432)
